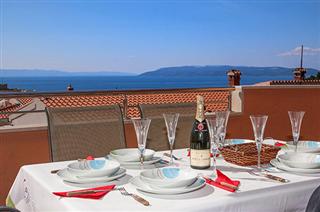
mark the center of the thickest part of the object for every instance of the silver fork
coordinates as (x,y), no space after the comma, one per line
(124,192)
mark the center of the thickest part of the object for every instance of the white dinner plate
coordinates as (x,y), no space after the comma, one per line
(131,154)
(237,141)
(147,162)
(300,160)
(69,177)
(142,186)
(168,177)
(94,168)
(269,141)
(304,146)
(283,167)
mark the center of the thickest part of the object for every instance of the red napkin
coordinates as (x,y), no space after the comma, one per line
(223,178)
(211,155)
(90,157)
(97,195)
(279,144)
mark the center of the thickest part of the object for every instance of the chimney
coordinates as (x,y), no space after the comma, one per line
(70,88)
(234,77)
(299,73)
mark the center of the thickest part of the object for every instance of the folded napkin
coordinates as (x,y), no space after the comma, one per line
(90,157)
(279,144)
(223,178)
(97,195)
(211,155)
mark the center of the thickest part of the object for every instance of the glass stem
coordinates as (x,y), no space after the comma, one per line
(222,137)
(259,144)
(295,141)
(259,165)
(171,150)
(214,155)
(141,160)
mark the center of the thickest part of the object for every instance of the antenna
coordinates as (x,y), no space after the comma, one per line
(1,41)
(301,60)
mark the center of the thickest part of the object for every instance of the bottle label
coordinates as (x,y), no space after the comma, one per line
(200,158)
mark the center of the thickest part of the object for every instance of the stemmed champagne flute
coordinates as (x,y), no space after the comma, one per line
(141,127)
(212,126)
(296,119)
(171,120)
(222,121)
(259,124)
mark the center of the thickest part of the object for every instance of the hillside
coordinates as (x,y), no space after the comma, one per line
(220,70)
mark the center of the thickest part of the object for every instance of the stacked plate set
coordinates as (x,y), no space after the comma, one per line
(169,180)
(85,173)
(130,157)
(306,160)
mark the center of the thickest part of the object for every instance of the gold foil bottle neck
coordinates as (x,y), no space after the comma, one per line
(200,108)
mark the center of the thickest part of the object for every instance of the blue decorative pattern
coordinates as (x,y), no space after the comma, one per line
(238,141)
(313,144)
(170,173)
(97,164)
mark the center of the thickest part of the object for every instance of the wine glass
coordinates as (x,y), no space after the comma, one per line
(212,126)
(222,121)
(296,119)
(141,127)
(171,120)
(258,123)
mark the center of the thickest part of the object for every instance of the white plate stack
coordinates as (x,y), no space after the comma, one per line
(91,171)
(306,160)
(169,180)
(131,157)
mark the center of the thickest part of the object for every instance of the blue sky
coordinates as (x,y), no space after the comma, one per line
(137,36)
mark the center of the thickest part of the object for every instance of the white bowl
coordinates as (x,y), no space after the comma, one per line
(67,176)
(300,160)
(93,168)
(168,177)
(131,154)
(305,146)
(142,186)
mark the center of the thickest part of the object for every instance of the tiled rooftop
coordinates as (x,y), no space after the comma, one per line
(215,99)
(289,82)
(23,102)
(295,82)
(82,101)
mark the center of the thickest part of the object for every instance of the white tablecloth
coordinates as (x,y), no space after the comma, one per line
(34,184)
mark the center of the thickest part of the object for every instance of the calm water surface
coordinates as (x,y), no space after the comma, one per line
(87,83)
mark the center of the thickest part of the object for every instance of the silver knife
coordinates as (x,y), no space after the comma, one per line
(269,176)
(276,178)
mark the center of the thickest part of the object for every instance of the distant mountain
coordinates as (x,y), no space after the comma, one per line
(56,73)
(220,70)
(179,71)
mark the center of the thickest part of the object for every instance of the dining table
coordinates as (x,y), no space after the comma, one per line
(34,185)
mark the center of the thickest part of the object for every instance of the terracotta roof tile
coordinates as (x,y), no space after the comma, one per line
(23,102)
(295,82)
(215,100)
(82,101)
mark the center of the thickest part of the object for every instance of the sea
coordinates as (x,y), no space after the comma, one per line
(92,83)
